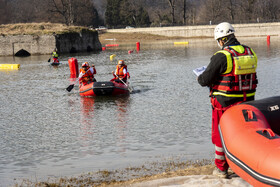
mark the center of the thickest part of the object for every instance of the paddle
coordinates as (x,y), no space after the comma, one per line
(128,87)
(49,59)
(71,86)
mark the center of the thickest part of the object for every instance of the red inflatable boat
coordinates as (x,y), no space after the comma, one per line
(55,63)
(104,88)
(250,136)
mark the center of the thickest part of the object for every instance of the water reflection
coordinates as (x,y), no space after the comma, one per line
(122,105)
(87,114)
(92,122)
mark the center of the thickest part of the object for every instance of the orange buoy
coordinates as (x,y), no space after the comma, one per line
(268,39)
(73,66)
(137,46)
(112,45)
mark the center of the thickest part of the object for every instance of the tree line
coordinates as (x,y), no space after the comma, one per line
(138,13)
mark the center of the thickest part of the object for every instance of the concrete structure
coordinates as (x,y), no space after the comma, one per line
(86,40)
(242,30)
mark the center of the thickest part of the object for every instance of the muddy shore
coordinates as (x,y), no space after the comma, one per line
(129,176)
(134,37)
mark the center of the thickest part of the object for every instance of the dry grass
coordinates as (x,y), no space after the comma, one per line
(131,175)
(37,28)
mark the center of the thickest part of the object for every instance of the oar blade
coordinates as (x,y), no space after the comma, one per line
(70,87)
(130,89)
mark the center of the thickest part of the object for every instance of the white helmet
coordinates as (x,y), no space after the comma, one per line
(223,29)
(121,62)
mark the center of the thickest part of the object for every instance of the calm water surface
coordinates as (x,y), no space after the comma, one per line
(46,131)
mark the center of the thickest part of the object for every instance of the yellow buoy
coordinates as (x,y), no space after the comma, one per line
(9,66)
(181,43)
(112,57)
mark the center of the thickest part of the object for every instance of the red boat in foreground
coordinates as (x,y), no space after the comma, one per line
(104,88)
(250,136)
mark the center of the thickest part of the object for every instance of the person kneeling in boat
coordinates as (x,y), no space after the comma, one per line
(120,73)
(55,56)
(87,74)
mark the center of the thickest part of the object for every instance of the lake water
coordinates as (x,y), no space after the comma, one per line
(46,131)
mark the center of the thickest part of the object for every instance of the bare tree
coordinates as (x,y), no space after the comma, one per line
(64,8)
(268,10)
(172,6)
(184,11)
(248,10)
(192,13)
(213,11)
(4,12)
(231,6)
(74,12)
(85,13)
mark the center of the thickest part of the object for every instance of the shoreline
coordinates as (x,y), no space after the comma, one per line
(178,174)
(128,176)
(144,37)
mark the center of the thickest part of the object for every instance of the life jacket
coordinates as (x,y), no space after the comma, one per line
(55,59)
(239,79)
(55,55)
(120,72)
(88,76)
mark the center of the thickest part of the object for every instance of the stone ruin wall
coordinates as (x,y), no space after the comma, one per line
(45,44)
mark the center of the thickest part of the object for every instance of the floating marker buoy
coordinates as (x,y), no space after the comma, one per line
(112,57)
(268,39)
(9,66)
(73,66)
(112,45)
(181,43)
(130,51)
(103,48)
(137,46)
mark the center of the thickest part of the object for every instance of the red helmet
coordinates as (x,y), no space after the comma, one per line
(85,64)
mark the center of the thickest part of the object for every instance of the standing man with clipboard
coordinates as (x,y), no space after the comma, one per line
(231,76)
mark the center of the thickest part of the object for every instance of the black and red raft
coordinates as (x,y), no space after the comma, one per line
(106,88)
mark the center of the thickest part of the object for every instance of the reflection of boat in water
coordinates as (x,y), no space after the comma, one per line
(104,88)
(250,134)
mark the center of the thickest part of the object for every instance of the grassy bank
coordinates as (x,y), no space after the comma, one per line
(130,175)
(38,28)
